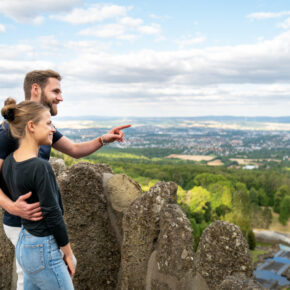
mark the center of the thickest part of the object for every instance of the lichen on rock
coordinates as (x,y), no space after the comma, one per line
(222,251)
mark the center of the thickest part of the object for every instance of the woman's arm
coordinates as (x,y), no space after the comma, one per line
(46,188)
(50,202)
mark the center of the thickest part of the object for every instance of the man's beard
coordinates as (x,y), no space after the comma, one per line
(47,103)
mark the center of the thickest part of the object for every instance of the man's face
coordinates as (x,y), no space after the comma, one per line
(51,95)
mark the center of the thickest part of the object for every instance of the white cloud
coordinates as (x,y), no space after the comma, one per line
(126,29)
(150,29)
(2,28)
(268,15)
(129,21)
(243,78)
(189,41)
(285,24)
(25,11)
(106,31)
(95,13)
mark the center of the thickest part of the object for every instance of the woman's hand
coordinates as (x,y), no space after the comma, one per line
(68,259)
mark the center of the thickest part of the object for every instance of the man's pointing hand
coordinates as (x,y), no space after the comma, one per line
(116,134)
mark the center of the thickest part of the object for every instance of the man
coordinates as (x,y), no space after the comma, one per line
(42,86)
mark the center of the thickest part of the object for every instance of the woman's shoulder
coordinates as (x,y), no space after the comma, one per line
(41,164)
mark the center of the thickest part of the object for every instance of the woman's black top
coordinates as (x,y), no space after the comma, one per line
(36,175)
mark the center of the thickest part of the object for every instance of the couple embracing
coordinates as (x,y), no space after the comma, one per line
(29,194)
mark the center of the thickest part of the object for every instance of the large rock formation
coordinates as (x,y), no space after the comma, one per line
(124,239)
(172,260)
(141,229)
(6,258)
(222,251)
(90,231)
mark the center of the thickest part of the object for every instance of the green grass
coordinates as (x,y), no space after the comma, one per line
(256,253)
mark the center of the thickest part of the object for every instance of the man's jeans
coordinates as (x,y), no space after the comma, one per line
(12,234)
(42,263)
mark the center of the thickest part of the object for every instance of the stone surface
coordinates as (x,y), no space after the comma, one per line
(286,273)
(122,191)
(174,249)
(174,254)
(57,165)
(222,251)
(140,233)
(91,235)
(6,258)
(240,282)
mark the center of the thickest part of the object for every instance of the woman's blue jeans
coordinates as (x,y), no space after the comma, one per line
(41,261)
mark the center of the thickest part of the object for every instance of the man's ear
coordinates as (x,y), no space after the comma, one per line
(35,92)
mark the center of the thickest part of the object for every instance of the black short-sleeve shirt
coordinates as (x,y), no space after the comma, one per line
(8,144)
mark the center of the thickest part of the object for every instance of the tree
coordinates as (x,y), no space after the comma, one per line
(254,196)
(205,179)
(207,213)
(284,210)
(181,195)
(222,210)
(251,240)
(282,191)
(220,193)
(197,199)
(263,199)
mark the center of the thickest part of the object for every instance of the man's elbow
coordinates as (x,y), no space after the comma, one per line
(75,155)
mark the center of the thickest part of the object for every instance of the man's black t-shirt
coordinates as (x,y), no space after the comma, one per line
(7,145)
(36,175)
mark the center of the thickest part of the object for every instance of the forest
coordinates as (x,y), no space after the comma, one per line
(247,198)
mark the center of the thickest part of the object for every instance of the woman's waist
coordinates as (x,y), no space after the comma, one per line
(36,230)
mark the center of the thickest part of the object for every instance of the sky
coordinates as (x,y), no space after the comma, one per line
(152,58)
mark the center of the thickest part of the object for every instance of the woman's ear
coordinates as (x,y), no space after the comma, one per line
(30,126)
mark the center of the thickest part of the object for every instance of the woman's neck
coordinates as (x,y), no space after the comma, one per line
(27,149)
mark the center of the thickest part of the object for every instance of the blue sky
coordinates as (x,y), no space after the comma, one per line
(152,58)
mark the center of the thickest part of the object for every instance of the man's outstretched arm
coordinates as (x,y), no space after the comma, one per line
(20,207)
(78,150)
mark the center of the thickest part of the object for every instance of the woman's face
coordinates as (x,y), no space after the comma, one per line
(44,129)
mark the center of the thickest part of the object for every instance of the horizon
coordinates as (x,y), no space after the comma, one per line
(163,117)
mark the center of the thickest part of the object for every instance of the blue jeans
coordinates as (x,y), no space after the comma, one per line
(41,261)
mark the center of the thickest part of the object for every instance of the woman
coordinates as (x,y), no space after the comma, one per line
(43,249)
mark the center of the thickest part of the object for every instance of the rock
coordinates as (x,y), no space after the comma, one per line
(122,191)
(90,232)
(7,251)
(102,168)
(239,281)
(222,251)
(140,233)
(174,253)
(198,283)
(57,165)
(286,273)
